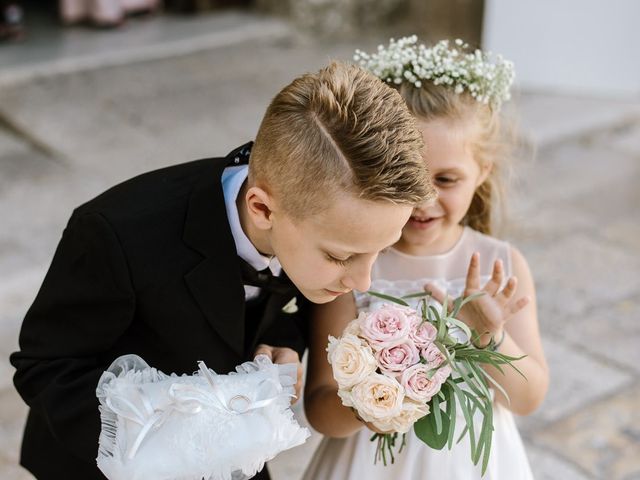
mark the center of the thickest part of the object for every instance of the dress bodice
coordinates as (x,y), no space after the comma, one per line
(396,273)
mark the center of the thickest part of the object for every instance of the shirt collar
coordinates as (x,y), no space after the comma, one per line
(232,181)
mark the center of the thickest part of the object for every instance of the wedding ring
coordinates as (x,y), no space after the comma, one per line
(239,403)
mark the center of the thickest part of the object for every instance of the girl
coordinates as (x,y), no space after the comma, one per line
(447,248)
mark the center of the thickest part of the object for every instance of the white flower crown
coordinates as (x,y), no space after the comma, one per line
(486,77)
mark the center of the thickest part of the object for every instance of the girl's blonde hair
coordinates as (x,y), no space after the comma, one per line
(489,144)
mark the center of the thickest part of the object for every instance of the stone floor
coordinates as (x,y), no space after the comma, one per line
(73,124)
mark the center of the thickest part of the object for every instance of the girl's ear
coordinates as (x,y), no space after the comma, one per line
(485,171)
(259,207)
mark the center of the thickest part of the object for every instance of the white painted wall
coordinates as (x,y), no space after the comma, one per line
(568,46)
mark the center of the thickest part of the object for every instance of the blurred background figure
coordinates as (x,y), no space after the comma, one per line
(104,13)
(198,6)
(11,20)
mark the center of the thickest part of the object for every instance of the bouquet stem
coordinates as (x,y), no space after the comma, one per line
(386,445)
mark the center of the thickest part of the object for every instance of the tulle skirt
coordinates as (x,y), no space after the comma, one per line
(352,458)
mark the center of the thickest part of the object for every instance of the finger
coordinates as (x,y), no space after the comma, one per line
(263,349)
(437,294)
(371,426)
(357,415)
(519,305)
(284,355)
(509,289)
(298,385)
(495,282)
(473,273)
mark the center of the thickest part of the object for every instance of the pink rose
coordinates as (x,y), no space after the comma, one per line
(396,359)
(422,333)
(417,384)
(385,327)
(432,354)
(443,373)
(412,314)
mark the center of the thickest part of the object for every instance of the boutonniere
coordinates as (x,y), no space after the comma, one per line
(291,306)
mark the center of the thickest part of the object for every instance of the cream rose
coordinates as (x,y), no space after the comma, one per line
(377,397)
(353,327)
(351,360)
(346,397)
(411,412)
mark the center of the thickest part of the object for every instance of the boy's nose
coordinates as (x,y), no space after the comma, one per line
(358,277)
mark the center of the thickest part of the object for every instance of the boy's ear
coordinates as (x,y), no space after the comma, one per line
(259,207)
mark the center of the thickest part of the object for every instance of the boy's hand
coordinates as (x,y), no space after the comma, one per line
(488,313)
(282,355)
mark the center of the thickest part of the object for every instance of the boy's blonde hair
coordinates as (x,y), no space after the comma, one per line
(339,130)
(488,143)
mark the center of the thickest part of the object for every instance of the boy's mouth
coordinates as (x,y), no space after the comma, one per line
(336,293)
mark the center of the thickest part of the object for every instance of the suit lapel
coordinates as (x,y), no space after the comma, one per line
(215,282)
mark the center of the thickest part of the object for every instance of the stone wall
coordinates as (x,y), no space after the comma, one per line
(432,20)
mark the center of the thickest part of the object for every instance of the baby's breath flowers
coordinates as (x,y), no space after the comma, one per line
(486,77)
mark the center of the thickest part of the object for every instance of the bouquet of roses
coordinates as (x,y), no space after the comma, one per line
(400,368)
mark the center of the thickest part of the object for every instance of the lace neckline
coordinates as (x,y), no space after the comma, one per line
(451,251)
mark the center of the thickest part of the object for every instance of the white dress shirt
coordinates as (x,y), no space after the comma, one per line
(232,181)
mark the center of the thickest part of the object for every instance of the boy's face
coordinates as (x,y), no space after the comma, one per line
(332,253)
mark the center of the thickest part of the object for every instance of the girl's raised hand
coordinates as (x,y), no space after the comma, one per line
(488,313)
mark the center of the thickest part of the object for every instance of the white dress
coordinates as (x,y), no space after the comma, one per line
(398,274)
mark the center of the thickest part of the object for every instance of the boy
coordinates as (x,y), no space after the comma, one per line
(184,263)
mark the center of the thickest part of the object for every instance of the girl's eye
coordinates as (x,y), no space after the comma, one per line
(447,181)
(337,261)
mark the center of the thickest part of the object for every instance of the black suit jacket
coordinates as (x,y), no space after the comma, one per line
(148,267)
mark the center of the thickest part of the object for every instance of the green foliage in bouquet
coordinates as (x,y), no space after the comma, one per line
(467,387)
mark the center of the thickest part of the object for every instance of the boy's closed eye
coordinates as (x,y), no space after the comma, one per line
(339,261)
(344,261)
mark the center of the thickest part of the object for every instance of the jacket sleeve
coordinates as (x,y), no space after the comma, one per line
(84,305)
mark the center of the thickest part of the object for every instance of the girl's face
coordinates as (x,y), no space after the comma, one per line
(435,227)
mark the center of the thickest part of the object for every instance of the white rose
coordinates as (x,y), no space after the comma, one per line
(411,412)
(346,397)
(353,328)
(351,360)
(377,397)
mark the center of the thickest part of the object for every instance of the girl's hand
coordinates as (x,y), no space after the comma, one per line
(370,426)
(488,313)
